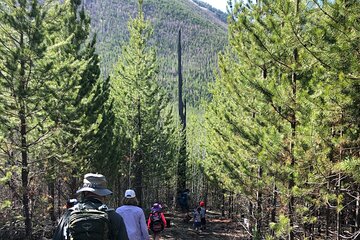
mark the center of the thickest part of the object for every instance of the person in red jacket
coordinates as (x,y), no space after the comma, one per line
(156,221)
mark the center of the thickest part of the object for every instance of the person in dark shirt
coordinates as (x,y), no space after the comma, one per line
(184,200)
(93,196)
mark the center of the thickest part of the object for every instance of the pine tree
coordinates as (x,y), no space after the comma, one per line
(141,107)
(53,101)
(28,81)
(89,123)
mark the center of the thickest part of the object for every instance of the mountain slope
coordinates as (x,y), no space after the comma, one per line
(203,36)
(219,14)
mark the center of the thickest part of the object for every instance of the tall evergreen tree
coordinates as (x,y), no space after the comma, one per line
(52,99)
(30,74)
(79,101)
(141,106)
(88,122)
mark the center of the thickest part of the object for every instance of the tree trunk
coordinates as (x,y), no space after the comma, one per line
(338,190)
(182,107)
(357,218)
(223,204)
(25,181)
(327,227)
(273,210)
(24,147)
(138,181)
(259,200)
(206,193)
(230,212)
(138,158)
(293,134)
(51,200)
(292,143)
(74,183)
(181,183)
(59,197)
(338,213)
(250,219)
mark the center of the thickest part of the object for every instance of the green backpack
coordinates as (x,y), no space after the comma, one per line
(88,223)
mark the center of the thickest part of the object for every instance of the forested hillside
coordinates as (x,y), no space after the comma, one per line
(271,147)
(203,36)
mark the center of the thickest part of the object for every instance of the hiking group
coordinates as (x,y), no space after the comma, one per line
(199,212)
(90,218)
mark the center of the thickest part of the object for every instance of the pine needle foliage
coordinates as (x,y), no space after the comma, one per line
(53,106)
(281,113)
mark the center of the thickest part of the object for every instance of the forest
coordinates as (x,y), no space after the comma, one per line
(258,116)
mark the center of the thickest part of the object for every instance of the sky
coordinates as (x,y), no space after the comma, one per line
(219,4)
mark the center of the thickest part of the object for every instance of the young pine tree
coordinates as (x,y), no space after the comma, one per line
(142,109)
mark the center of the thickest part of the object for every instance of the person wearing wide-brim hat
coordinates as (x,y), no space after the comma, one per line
(133,216)
(92,195)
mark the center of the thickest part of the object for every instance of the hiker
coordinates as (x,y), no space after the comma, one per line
(197,219)
(202,215)
(133,216)
(156,221)
(90,218)
(184,200)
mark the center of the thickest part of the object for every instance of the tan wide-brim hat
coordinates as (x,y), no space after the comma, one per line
(95,183)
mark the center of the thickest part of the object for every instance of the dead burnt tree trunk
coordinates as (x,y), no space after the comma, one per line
(181,182)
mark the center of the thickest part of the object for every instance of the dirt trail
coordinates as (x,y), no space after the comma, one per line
(216,228)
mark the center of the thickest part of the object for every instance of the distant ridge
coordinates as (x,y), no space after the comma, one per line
(204,34)
(219,14)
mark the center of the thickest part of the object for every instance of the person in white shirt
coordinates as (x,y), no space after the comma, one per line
(133,216)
